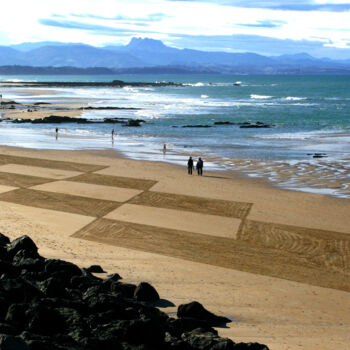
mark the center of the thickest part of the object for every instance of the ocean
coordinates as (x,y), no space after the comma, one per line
(308,115)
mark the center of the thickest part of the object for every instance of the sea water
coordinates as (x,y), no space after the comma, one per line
(308,114)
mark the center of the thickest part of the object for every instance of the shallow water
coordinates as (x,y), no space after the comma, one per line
(310,114)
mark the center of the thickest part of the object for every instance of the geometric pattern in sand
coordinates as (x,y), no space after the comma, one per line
(95,205)
(38,171)
(176,220)
(89,190)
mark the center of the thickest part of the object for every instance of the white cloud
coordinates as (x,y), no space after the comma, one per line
(21,22)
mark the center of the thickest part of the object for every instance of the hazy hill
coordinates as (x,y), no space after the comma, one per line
(153,53)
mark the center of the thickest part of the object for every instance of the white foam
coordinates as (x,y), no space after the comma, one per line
(293,98)
(260,97)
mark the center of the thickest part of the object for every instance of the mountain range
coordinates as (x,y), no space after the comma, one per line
(150,55)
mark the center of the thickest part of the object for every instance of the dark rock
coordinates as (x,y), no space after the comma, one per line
(182,325)
(201,340)
(22,243)
(145,292)
(197,126)
(197,311)
(16,314)
(9,103)
(52,287)
(133,122)
(6,328)
(19,290)
(44,320)
(225,123)
(69,269)
(126,289)
(4,240)
(95,269)
(8,342)
(114,277)
(256,125)
(54,305)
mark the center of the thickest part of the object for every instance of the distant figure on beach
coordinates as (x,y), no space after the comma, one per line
(164,148)
(190,165)
(56,130)
(199,166)
(112,134)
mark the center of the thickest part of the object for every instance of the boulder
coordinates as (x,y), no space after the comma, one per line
(197,311)
(145,292)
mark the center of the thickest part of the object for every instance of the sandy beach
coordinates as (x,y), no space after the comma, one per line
(275,261)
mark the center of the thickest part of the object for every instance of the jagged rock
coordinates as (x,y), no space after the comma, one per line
(4,240)
(22,243)
(145,292)
(197,311)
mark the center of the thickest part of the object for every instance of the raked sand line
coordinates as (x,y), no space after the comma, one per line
(213,250)
(116,181)
(50,173)
(18,180)
(330,250)
(48,163)
(90,191)
(177,220)
(61,202)
(190,203)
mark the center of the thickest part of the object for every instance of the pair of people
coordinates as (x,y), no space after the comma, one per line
(199,166)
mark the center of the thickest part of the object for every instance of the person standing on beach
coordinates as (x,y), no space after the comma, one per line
(190,165)
(112,134)
(56,130)
(199,166)
(164,148)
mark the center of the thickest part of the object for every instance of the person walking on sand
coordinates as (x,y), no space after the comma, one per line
(190,165)
(199,166)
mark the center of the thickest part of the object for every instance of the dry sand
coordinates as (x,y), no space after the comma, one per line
(42,114)
(283,275)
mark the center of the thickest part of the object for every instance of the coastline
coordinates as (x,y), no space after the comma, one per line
(283,274)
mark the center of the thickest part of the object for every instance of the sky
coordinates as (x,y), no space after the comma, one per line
(269,27)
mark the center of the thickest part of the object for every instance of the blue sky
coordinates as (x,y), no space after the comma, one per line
(318,27)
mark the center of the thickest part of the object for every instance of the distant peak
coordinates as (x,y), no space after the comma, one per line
(145,44)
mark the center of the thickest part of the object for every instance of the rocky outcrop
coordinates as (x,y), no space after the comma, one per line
(54,119)
(51,304)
